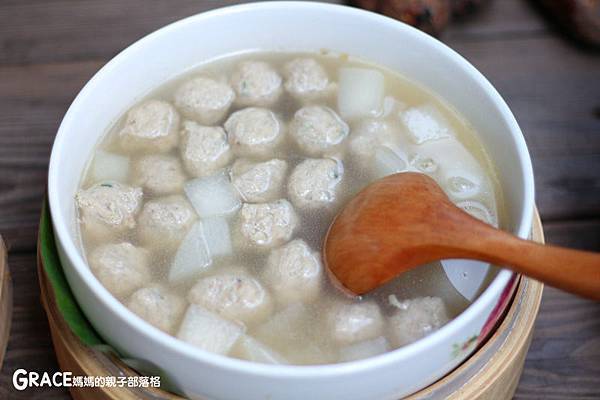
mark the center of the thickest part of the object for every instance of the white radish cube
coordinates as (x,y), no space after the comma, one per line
(209,331)
(426,123)
(110,167)
(213,195)
(192,256)
(251,349)
(285,326)
(365,349)
(217,236)
(360,93)
(459,173)
(387,162)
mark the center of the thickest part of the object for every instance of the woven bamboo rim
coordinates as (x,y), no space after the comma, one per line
(6,301)
(491,373)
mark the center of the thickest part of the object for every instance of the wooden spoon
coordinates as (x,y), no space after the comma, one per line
(406,220)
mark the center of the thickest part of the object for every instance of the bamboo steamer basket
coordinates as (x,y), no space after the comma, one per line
(6,301)
(491,373)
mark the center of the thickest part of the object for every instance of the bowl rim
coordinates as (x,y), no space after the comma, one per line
(171,343)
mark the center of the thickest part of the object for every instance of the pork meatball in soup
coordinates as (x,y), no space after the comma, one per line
(204,99)
(254,132)
(256,83)
(205,206)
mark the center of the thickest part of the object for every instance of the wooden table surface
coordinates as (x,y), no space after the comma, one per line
(49,49)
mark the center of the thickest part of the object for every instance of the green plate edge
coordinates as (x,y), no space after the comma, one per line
(65,300)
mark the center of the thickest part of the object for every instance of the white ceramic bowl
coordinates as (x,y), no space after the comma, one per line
(283,26)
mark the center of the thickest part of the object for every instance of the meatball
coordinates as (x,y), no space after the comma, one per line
(234,295)
(204,99)
(306,79)
(163,222)
(254,132)
(294,272)
(205,148)
(355,322)
(159,307)
(318,130)
(151,126)
(258,182)
(267,225)
(121,268)
(256,83)
(416,318)
(108,208)
(159,174)
(314,183)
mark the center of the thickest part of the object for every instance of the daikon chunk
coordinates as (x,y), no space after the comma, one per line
(425,123)
(387,162)
(213,195)
(251,349)
(110,167)
(458,172)
(217,236)
(360,93)
(192,256)
(285,326)
(208,331)
(366,349)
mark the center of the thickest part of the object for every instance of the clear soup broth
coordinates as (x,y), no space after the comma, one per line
(205,205)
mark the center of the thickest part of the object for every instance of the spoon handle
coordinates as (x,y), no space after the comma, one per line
(571,270)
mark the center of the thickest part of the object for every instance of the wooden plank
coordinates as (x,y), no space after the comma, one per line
(564,357)
(506,19)
(66,30)
(29,346)
(568,187)
(29,29)
(583,234)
